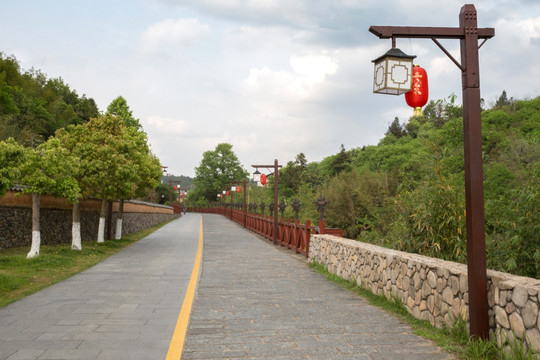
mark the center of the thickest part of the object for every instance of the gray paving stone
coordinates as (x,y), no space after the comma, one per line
(259,301)
(254,301)
(26,354)
(124,308)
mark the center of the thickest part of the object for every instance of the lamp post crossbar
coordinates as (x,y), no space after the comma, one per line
(419,32)
(468,33)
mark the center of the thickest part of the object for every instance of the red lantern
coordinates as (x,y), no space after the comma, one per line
(418,96)
(263,179)
(227,192)
(238,189)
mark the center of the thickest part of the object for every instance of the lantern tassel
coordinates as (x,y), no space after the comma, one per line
(417,111)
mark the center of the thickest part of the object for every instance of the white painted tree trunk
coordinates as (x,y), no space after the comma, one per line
(36,242)
(118,232)
(76,243)
(101,228)
(36,233)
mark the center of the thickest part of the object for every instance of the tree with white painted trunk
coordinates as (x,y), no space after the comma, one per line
(148,168)
(73,140)
(47,169)
(104,147)
(116,162)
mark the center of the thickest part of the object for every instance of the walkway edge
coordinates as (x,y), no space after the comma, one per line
(177,341)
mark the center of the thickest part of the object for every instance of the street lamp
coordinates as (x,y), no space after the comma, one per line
(393,72)
(239,190)
(170,189)
(256,175)
(276,175)
(468,33)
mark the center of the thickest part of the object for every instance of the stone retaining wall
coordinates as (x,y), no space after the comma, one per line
(433,289)
(56,218)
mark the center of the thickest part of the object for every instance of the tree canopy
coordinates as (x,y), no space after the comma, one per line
(119,107)
(217,169)
(115,160)
(12,156)
(50,170)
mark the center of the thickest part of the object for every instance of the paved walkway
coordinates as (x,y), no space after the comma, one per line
(259,301)
(124,308)
(254,301)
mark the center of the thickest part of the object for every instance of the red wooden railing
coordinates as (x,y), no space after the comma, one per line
(291,234)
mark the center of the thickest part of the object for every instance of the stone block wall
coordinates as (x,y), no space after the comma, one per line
(56,218)
(16,226)
(433,289)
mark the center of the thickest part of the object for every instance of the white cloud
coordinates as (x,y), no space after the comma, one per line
(308,75)
(523,31)
(249,38)
(313,68)
(171,32)
(166,125)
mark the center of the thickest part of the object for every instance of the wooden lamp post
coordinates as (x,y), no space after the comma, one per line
(276,175)
(468,33)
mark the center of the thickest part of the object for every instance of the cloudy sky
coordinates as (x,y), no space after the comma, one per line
(271,77)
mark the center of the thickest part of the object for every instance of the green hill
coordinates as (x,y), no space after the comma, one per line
(407,192)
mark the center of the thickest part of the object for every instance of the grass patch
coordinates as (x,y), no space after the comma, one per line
(455,340)
(20,277)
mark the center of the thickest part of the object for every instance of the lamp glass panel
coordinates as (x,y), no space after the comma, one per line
(379,76)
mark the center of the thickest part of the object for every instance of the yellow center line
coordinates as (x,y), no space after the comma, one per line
(177,342)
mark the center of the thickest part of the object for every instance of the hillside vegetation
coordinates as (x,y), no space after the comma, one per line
(33,107)
(408,193)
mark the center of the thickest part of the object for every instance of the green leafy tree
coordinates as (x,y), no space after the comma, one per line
(147,174)
(119,107)
(441,111)
(431,219)
(291,176)
(117,162)
(354,201)
(12,156)
(342,161)
(503,101)
(86,109)
(396,129)
(146,164)
(217,169)
(312,175)
(161,193)
(47,170)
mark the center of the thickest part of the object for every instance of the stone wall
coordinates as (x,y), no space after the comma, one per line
(433,289)
(56,218)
